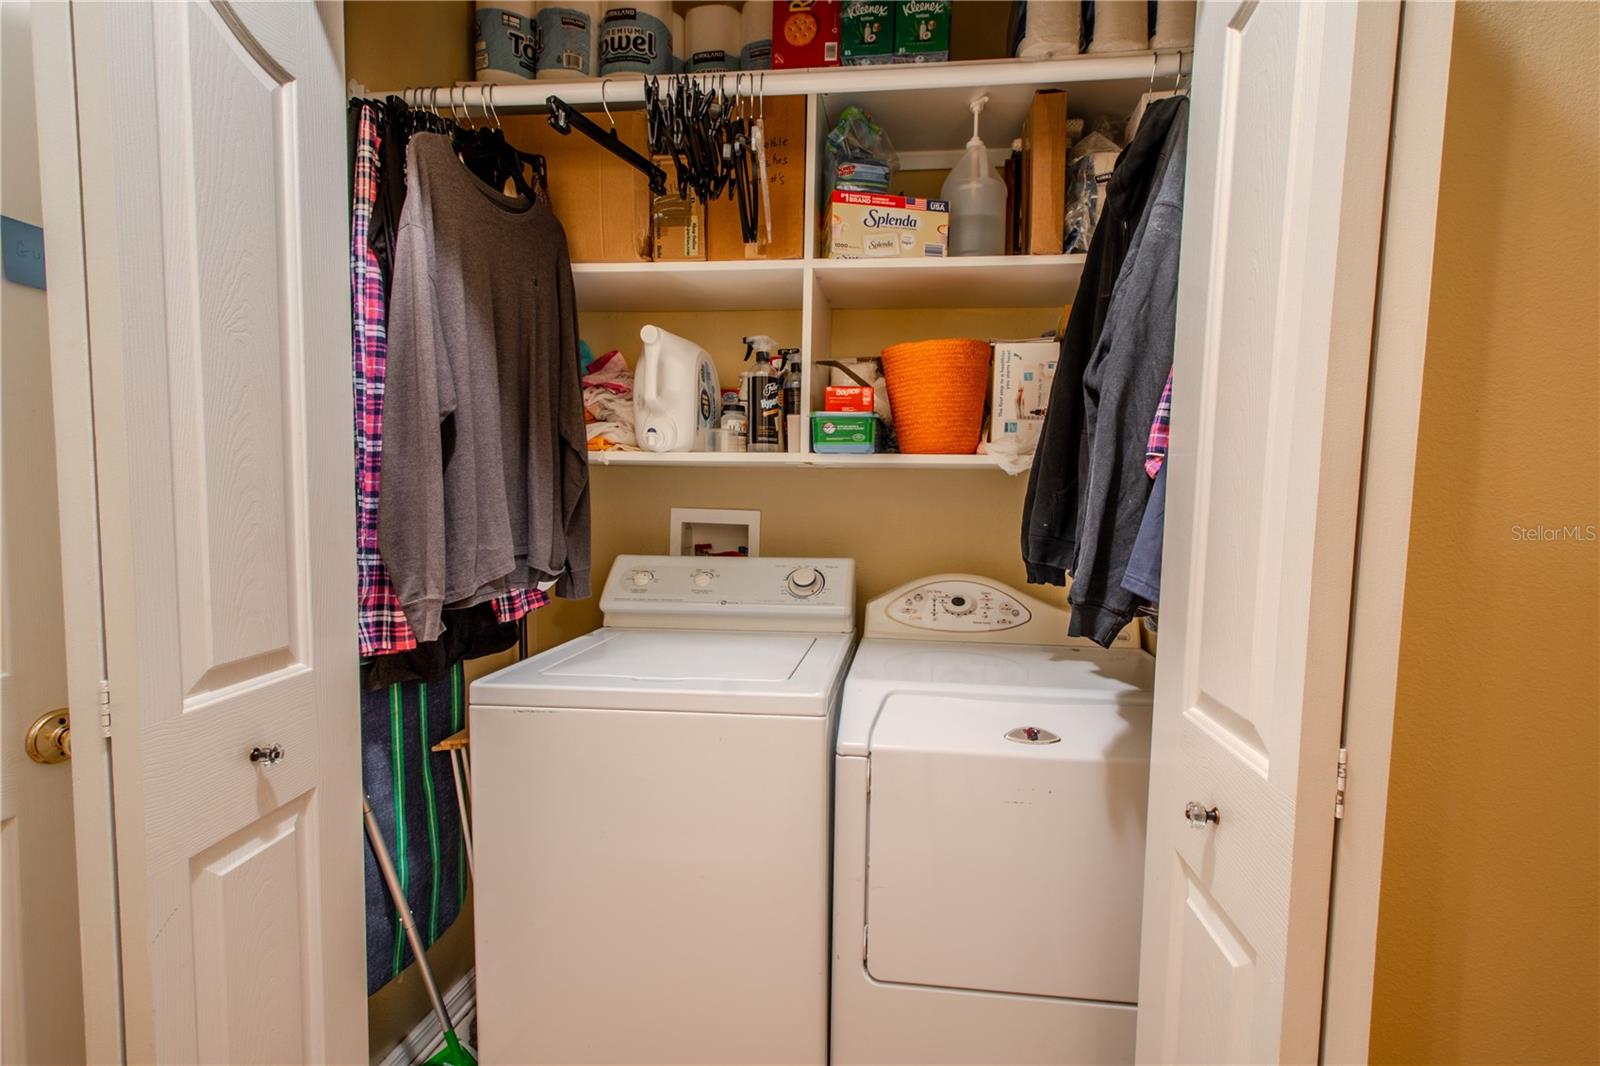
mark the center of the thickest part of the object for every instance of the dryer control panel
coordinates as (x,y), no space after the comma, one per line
(719,592)
(965,607)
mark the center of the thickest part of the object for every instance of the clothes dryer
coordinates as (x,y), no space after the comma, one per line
(989,832)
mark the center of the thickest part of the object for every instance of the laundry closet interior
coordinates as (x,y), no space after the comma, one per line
(731,407)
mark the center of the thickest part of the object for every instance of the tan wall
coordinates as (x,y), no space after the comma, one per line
(1488,939)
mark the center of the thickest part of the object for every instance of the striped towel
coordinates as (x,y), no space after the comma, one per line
(412,793)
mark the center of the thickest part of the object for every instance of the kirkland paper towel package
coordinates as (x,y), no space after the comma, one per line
(805,33)
(566,40)
(635,39)
(503,45)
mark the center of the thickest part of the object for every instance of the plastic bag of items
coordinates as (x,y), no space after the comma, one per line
(858,155)
(608,404)
(1089,167)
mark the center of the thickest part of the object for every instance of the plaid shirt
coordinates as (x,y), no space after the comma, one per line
(380,618)
(1155,452)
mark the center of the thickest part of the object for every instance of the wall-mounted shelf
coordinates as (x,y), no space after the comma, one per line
(974,281)
(719,286)
(793,460)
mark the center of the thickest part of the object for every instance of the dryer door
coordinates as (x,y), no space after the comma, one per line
(1007,860)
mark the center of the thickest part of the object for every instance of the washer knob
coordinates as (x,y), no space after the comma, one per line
(805,581)
(702,578)
(641,578)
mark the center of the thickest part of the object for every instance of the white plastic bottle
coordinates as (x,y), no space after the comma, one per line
(977,198)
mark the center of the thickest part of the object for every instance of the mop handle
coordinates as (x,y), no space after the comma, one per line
(386,867)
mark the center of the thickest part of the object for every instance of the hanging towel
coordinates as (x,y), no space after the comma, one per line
(412,792)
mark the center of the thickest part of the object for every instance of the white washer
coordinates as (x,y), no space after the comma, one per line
(650,821)
(989,823)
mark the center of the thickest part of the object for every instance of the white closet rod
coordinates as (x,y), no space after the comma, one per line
(625,90)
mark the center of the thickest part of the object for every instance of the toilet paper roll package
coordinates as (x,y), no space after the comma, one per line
(714,36)
(503,42)
(636,38)
(755,53)
(1120,26)
(566,40)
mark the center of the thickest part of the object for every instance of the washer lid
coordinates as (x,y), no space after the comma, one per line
(673,670)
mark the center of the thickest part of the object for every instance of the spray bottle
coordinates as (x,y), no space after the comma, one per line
(764,396)
(977,198)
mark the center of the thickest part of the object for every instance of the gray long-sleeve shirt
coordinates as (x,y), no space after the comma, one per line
(485,477)
(1122,386)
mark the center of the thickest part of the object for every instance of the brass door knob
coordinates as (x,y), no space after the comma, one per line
(50,737)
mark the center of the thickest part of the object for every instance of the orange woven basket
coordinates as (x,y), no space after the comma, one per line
(936,392)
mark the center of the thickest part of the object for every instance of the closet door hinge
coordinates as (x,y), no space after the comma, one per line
(105,709)
(1339,783)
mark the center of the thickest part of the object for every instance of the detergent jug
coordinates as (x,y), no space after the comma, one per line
(675,392)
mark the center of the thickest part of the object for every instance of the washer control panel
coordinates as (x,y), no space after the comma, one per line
(953,605)
(702,592)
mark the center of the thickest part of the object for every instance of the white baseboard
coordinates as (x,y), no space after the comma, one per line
(427,1036)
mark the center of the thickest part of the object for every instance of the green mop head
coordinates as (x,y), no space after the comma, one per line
(454,1053)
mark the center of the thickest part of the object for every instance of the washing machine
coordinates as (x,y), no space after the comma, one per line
(651,821)
(989,831)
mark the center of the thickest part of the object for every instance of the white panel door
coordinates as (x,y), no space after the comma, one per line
(1288,143)
(215,235)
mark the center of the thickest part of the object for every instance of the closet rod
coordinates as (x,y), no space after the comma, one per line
(627,90)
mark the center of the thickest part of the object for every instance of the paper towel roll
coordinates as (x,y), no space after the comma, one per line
(636,38)
(679,39)
(755,44)
(566,39)
(1174,25)
(1120,26)
(1053,29)
(502,41)
(714,32)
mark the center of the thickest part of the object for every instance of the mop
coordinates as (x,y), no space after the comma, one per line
(454,1052)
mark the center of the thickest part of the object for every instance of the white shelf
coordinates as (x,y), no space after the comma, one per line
(708,286)
(973,281)
(790,460)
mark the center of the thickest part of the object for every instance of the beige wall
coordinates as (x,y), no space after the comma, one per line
(1488,942)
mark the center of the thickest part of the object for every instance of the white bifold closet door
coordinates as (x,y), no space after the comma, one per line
(1288,145)
(210,147)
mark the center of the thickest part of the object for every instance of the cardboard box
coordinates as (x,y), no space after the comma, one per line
(853,399)
(869,225)
(922,31)
(1044,173)
(866,32)
(683,238)
(805,33)
(785,127)
(1023,371)
(602,202)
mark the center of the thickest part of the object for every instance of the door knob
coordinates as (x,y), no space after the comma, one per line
(266,755)
(49,738)
(1199,815)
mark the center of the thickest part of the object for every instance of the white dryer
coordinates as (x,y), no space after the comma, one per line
(650,821)
(989,830)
